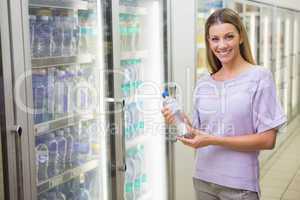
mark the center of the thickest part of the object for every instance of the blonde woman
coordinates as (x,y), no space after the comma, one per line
(236,114)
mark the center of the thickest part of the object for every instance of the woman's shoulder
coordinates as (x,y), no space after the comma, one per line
(261,72)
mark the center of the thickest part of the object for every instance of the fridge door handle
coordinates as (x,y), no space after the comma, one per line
(17,129)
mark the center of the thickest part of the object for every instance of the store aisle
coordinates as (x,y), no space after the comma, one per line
(281,174)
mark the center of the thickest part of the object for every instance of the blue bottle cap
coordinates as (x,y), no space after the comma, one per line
(165,93)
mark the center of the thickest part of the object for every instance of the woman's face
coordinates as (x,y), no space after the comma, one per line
(224,41)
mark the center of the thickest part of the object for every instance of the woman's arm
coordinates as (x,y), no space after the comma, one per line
(250,142)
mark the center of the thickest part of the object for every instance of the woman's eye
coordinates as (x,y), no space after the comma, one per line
(229,37)
(214,39)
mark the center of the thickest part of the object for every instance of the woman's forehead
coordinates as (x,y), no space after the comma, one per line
(222,28)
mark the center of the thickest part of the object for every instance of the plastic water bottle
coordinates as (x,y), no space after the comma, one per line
(176,111)
(68,25)
(53,155)
(83,193)
(138,173)
(57,34)
(62,150)
(59,95)
(140,157)
(43,32)
(94,140)
(60,196)
(50,93)
(42,158)
(84,143)
(70,146)
(130,175)
(32,22)
(76,145)
(39,82)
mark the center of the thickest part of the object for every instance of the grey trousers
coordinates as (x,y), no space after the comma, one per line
(210,191)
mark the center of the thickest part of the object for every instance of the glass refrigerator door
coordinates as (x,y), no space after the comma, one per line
(266,38)
(251,18)
(67,60)
(296,71)
(141,44)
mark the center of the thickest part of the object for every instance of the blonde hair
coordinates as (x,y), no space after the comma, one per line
(226,15)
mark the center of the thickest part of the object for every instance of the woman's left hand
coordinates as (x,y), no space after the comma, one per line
(196,138)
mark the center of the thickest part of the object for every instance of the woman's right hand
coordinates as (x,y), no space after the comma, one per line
(169,117)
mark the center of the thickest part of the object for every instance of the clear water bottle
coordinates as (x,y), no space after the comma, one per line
(140,156)
(130,176)
(59,94)
(94,139)
(53,155)
(32,24)
(42,158)
(176,110)
(62,150)
(57,34)
(50,93)
(68,25)
(76,145)
(84,143)
(39,83)
(83,193)
(138,173)
(70,148)
(43,33)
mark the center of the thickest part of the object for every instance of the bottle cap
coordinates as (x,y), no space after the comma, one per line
(165,93)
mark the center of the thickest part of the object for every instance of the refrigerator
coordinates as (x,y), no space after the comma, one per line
(82,98)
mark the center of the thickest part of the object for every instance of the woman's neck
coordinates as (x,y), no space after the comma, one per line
(236,66)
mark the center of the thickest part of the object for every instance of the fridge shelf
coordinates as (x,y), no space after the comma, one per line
(66,176)
(133,54)
(48,126)
(45,62)
(68,4)
(133,10)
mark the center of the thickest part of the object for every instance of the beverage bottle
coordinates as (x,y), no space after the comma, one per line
(68,24)
(83,31)
(50,93)
(32,24)
(176,110)
(128,122)
(42,158)
(60,196)
(53,154)
(76,34)
(83,193)
(130,176)
(70,148)
(140,156)
(76,144)
(94,139)
(39,82)
(59,94)
(123,31)
(84,143)
(62,150)
(57,34)
(81,92)
(43,32)
(138,173)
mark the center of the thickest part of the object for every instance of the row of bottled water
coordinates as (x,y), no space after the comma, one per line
(130,32)
(66,148)
(132,76)
(60,32)
(134,120)
(135,176)
(83,188)
(58,92)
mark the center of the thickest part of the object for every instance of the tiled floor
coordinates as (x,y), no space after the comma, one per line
(281,181)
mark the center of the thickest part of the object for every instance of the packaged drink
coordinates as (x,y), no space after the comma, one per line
(43,33)
(140,157)
(53,154)
(32,24)
(83,193)
(39,86)
(138,173)
(76,145)
(62,150)
(128,122)
(84,143)
(83,31)
(57,34)
(76,34)
(70,146)
(59,95)
(42,158)
(94,139)
(176,111)
(130,176)
(50,93)
(82,93)
(68,25)
(92,183)
(123,31)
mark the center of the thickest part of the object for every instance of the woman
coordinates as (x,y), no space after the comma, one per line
(236,114)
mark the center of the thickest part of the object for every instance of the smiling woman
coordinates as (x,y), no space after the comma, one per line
(236,114)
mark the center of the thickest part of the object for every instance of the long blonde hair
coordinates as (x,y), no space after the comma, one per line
(226,15)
